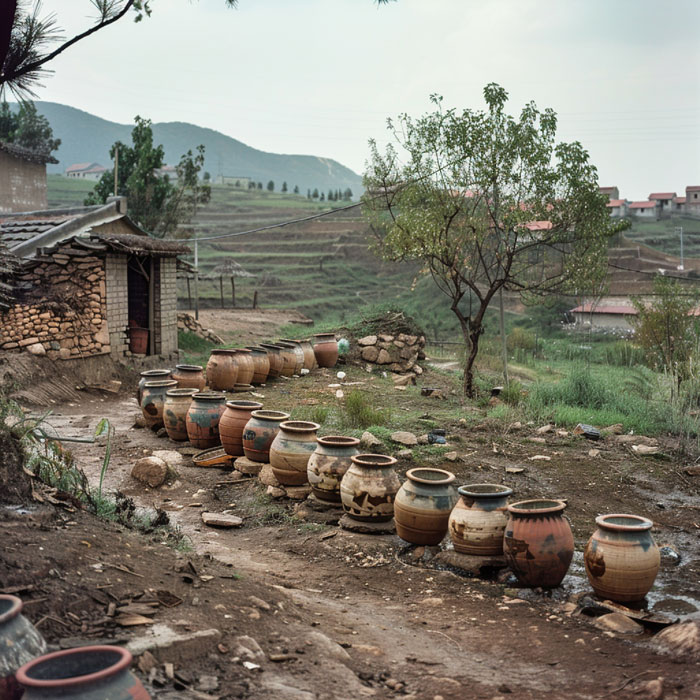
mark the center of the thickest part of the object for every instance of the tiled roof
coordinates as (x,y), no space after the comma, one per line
(13,231)
(642,205)
(606,189)
(26,154)
(679,200)
(662,195)
(692,188)
(615,203)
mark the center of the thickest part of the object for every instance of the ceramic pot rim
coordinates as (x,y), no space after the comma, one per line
(299,426)
(277,416)
(638,522)
(209,396)
(245,351)
(123,663)
(159,383)
(189,368)
(324,335)
(338,441)
(414,475)
(255,349)
(15,608)
(289,340)
(182,392)
(273,346)
(156,372)
(537,506)
(374,461)
(244,405)
(223,351)
(495,490)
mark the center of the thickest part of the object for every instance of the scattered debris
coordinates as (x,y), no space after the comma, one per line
(588,431)
(619,623)
(540,458)
(221,520)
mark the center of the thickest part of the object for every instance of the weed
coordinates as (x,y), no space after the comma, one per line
(316,414)
(359,413)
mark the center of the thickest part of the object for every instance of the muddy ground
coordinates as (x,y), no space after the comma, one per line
(339,614)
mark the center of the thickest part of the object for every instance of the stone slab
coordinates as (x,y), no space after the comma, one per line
(367,527)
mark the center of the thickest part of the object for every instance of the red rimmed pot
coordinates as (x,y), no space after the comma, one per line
(291,449)
(203,419)
(189,377)
(328,464)
(177,403)
(20,642)
(261,364)
(222,370)
(295,345)
(232,423)
(369,487)
(151,375)
(259,433)
(538,543)
(423,505)
(478,521)
(153,397)
(246,366)
(85,673)
(621,557)
(325,349)
(274,356)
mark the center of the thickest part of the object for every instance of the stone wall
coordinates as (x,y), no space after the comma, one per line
(187,322)
(396,353)
(22,184)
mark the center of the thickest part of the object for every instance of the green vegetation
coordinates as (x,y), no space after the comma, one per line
(196,349)
(358,411)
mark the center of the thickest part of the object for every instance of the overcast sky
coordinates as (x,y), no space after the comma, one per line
(320,76)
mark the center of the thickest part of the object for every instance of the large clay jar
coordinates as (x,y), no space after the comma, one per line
(368,489)
(537,543)
(232,423)
(621,558)
(295,345)
(478,521)
(309,355)
(259,432)
(289,359)
(153,401)
(291,449)
(328,464)
(274,355)
(19,643)
(423,505)
(189,377)
(261,364)
(246,367)
(84,673)
(222,370)
(203,419)
(326,349)
(150,375)
(177,403)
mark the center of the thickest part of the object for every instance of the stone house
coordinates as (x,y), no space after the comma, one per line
(617,207)
(692,200)
(22,178)
(611,192)
(643,209)
(664,200)
(87,277)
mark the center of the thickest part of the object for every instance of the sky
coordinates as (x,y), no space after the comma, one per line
(321,77)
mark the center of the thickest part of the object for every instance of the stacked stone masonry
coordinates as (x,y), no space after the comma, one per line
(399,353)
(187,322)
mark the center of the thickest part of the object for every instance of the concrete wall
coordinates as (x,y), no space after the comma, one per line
(22,184)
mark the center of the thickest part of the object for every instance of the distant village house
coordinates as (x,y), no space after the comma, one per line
(85,171)
(659,203)
(236,181)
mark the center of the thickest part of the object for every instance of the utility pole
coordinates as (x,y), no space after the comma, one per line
(679,232)
(196,280)
(116,168)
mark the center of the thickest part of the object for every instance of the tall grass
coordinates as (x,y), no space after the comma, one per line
(359,413)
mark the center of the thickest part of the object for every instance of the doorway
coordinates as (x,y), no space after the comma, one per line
(139,278)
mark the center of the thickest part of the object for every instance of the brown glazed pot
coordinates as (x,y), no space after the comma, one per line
(233,421)
(309,355)
(153,401)
(85,673)
(177,403)
(274,355)
(538,543)
(326,349)
(295,345)
(289,359)
(203,419)
(246,366)
(259,432)
(423,505)
(222,370)
(621,558)
(189,377)
(328,464)
(261,364)
(150,375)
(291,449)
(478,521)
(369,487)
(20,642)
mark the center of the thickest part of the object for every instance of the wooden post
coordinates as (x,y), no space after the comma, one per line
(504,342)
(221,289)
(233,292)
(189,294)
(255,299)
(196,280)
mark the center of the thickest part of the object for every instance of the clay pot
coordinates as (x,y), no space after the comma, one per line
(151,375)
(153,401)
(291,449)
(259,432)
(478,521)
(325,349)
(537,543)
(274,356)
(20,642)
(309,355)
(289,360)
(189,377)
(368,489)
(203,419)
(295,345)
(138,340)
(423,505)
(222,370)
(261,364)
(328,464)
(233,421)
(246,367)
(621,558)
(177,403)
(85,673)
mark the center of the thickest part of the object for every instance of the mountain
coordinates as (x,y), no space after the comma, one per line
(86,138)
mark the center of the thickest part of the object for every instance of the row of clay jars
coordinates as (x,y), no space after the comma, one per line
(232,424)
(328,464)
(203,418)
(228,367)
(177,404)
(153,395)
(259,433)
(368,488)
(291,449)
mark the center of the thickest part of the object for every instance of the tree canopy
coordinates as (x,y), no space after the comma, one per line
(27,128)
(488,202)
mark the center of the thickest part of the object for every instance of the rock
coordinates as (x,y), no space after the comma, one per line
(646,449)
(431,602)
(298,493)
(139,421)
(405,380)
(545,429)
(383,358)
(207,683)
(280,689)
(618,623)
(651,690)
(615,429)
(368,649)
(636,439)
(367,340)
(275,492)
(64,353)
(423,439)
(370,354)
(267,477)
(172,458)
(327,646)
(516,426)
(450,456)
(404,454)
(385,338)
(538,440)
(247,466)
(669,555)
(693,471)
(259,603)
(221,520)
(36,349)
(367,527)
(369,440)
(151,471)
(404,438)
(680,641)
(248,648)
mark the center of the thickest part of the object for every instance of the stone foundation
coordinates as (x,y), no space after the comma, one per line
(395,353)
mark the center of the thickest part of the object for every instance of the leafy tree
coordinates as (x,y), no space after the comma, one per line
(323,196)
(347,194)
(251,185)
(314,194)
(155,203)
(296,189)
(259,185)
(308,194)
(270,186)
(331,196)
(27,128)
(284,187)
(207,177)
(8,123)
(487,202)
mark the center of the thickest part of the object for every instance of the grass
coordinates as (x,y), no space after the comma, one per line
(195,349)
(359,413)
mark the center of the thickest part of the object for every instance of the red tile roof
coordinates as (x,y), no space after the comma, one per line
(606,189)
(615,203)
(642,205)
(692,188)
(613,309)
(662,195)
(679,200)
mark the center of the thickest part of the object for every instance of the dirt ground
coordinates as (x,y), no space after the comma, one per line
(341,615)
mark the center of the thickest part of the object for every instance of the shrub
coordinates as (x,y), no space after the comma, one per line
(520,339)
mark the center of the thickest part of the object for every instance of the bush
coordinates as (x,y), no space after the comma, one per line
(520,339)
(359,413)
